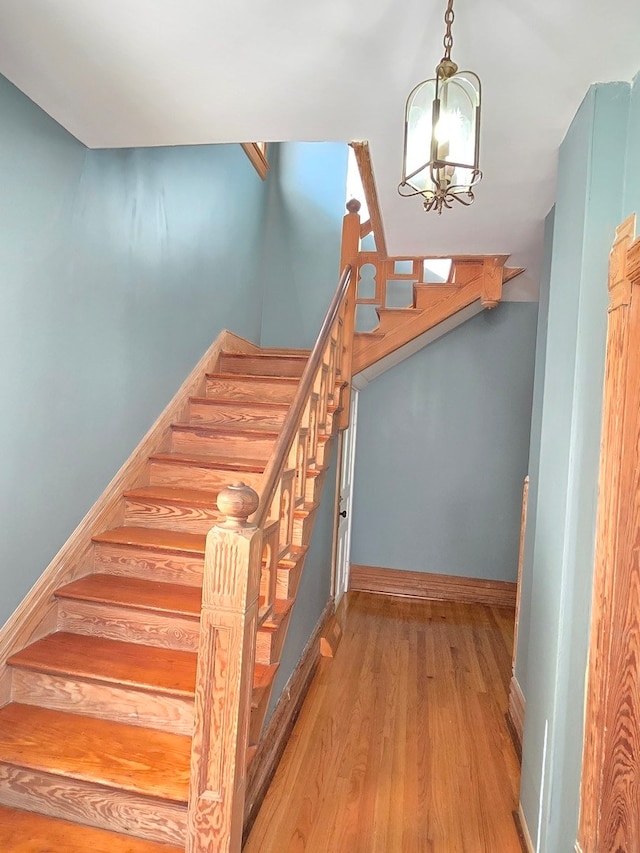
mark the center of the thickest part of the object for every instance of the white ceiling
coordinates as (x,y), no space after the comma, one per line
(168,72)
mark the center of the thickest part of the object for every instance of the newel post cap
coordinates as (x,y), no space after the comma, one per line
(353,205)
(237,502)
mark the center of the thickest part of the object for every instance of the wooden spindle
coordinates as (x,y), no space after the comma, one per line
(226,656)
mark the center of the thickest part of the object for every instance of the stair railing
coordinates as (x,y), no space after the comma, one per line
(241,563)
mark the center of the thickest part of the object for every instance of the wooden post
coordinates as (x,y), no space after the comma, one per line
(224,679)
(492,271)
(350,234)
(349,255)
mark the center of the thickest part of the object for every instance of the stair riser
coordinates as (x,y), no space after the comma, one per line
(257,716)
(93,805)
(313,487)
(198,477)
(251,390)
(288,581)
(391,318)
(263,365)
(230,446)
(219,414)
(129,625)
(105,701)
(323,452)
(302,529)
(147,563)
(170,516)
(269,643)
(427,295)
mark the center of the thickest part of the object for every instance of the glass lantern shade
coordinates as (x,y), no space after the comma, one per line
(442,140)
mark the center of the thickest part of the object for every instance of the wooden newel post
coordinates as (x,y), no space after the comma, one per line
(349,255)
(224,680)
(350,234)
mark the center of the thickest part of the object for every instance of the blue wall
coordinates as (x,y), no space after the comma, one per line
(301,259)
(631,200)
(442,451)
(313,592)
(534,452)
(119,268)
(559,559)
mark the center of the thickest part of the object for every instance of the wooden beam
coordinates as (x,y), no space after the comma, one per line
(257,153)
(365,166)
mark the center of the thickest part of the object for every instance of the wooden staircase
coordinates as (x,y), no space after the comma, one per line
(95,744)
(471,279)
(433,303)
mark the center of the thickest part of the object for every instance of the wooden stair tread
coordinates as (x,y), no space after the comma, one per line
(305,509)
(294,555)
(207,460)
(216,429)
(367,336)
(148,537)
(232,402)
(135,593)
(115,755)
(174,495)
(233,377)
(266,354)
(152,668)
(406,311)
(28,832)
(281,606)
(286,351)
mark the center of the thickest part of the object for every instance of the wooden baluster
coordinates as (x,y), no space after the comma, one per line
(226,655)
(301,464)
(349,255)
(340,345)
(323,399)
(271,553)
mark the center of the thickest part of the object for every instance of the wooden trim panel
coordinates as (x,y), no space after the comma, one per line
(609,815)
(280,726)
(36,615)
(432,586)
(516,712)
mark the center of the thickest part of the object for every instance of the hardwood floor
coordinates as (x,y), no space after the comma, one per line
(402,746)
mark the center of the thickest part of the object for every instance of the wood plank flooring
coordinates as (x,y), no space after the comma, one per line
(402,746)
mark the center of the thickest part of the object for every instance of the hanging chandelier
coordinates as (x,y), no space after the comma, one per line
(442,134)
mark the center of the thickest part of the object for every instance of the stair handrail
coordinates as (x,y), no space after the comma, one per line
(242,555)
(278,458)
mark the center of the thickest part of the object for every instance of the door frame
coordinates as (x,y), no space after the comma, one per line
(609,816)
(346,464)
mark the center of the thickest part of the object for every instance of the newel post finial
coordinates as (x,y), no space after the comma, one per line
(353,205)
(237,502)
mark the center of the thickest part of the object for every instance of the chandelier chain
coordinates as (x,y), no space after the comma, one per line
(448,38)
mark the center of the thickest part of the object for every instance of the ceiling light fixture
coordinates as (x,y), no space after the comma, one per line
(442,134)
